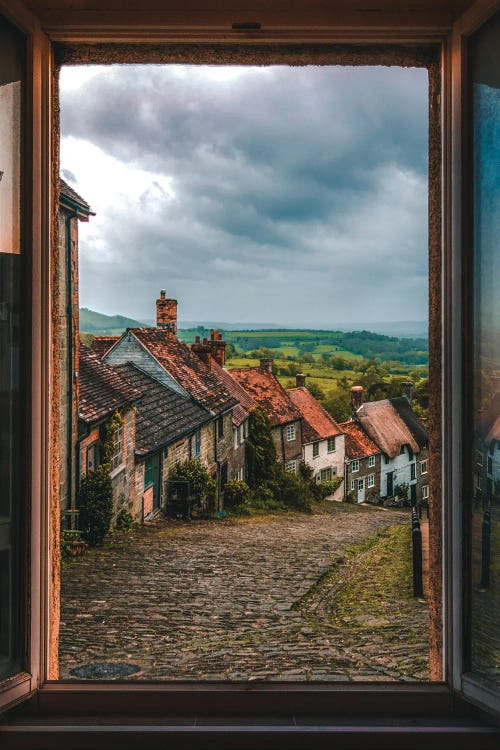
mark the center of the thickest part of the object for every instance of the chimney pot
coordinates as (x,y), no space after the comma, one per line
(196,339)
(407,390)
(356,397)
(300,380)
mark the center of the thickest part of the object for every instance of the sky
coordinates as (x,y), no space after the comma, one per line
(286,195)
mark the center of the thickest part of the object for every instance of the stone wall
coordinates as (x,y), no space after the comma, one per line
(287,450)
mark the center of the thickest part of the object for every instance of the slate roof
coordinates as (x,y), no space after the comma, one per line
(163,416)
(102,344)
(246,403)
(317,423)
(357,442)
(392,423)
(265,389)
(186,368)
(69,197)
(102,389)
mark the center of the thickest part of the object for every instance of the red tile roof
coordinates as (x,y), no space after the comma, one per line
(186,368)
(102,344)
(102,389)
(317,424)
(71,198)
(357,442)
(264,388)
(246,403)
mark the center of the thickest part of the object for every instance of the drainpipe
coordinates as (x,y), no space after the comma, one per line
(71,371)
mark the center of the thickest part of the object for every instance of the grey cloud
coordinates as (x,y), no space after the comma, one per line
(295,192)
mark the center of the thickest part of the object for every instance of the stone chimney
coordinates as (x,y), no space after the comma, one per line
(166,312)
(266,364)
(300,380)
(356,398)
(407,390)
(218,347)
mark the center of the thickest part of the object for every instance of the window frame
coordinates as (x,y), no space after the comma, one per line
(42,596)
(291,432)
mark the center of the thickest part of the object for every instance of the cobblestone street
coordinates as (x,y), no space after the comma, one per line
(229,600)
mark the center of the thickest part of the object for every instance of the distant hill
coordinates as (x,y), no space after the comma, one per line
(105,325)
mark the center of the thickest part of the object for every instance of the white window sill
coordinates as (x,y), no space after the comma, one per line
(117,471)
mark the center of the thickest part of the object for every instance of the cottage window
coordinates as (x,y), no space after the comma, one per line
(331,444)
(424,466)
(235,437)
(196,444)
(291,466)
(425,492)
(93,456)
(387,460)
(479,458)
(117,457)
(355,465)
(290,432)
(316,449)
(371,462)
(489,465)
(353,485)
(370,480)
(148,473)
(413,472)
(325,475)
(461,677)
(478,483)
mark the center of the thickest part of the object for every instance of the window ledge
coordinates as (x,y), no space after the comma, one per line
(117,471)
(198,733)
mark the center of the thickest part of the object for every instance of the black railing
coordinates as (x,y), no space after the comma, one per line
(416,539)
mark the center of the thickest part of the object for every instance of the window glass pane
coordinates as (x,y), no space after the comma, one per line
(485,479)
(11,340)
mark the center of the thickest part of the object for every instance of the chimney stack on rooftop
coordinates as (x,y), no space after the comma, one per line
(218,347)
(407,390)
(166,312)
(300,380)
(266,364)
(356,398)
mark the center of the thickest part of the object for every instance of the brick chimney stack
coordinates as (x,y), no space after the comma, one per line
(218,347)
(266,364)
(407,390)
(166,312)
(202,350)
(300,380)
(356,398)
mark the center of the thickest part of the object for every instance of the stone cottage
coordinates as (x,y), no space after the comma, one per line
(323,447)
(286,420)
(102,394)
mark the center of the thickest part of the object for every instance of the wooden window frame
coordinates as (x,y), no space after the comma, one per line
(42,593)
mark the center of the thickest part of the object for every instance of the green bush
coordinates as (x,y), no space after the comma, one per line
(294,492)
(202,487)
(328,488)
(260,450)
(95,503)
(235,493)
(124,521)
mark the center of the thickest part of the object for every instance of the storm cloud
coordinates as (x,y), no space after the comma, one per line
(279,195)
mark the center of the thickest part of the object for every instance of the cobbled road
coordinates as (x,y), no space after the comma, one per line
(214,600)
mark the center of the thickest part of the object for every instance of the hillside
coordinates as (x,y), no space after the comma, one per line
(105,325)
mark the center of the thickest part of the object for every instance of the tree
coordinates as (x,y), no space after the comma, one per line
(260,450)
(315,390)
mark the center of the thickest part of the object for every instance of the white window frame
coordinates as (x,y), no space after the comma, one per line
(290,432)
(424,466)
(425,492)
(355,465)
(315,449)
(291,466)
(353,485)
(117,459)
(371,462)
(370,481)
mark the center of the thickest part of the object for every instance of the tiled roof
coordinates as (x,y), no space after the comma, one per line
(246,403)
(163,415)
(357,442)
(102,344)
(264,388)
(186,368)
(392,423)
(317,424)
(66,191)
(102,390)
